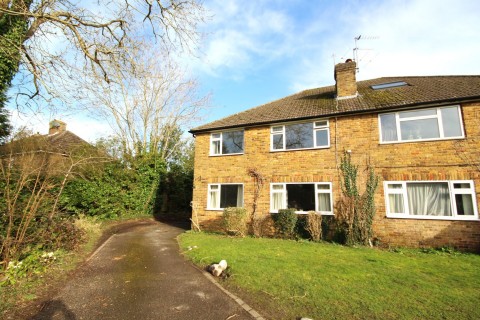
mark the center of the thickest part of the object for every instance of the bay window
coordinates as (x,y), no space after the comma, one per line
(228,142)
(431,199)
(221,196)
(306,135)
(424,124)
(301,196)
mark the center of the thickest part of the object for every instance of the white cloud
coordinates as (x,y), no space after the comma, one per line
(410,38)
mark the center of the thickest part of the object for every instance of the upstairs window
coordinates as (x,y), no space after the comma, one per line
(228,142)
(302,197)
(221,196)
(307,135)
(431,199)
(425,124)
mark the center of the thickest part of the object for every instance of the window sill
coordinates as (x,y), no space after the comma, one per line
(226,155)
(422,140)
(306,212)
(286,150)
(469,218)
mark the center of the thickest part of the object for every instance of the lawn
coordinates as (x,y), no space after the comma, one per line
(285,279)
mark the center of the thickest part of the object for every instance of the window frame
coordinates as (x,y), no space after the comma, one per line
(209,189)
(315,128)
(437,116)
(452,192)
(220,140)
(283,191)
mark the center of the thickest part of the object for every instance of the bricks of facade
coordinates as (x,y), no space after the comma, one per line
(427,160)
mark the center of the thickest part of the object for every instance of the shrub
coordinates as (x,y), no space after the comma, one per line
(235,221)
(314,225)
(285,221)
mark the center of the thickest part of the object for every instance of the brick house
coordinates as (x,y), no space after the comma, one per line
(421,135)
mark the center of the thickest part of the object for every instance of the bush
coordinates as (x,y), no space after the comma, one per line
(285,221)
(235,221)
(314,226)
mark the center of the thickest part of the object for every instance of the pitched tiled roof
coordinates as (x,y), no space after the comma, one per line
(65,141)
(321,102)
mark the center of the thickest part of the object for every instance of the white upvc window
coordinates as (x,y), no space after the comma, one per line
(422,124)
(221,196)
(300,135)
(303,197)
(446,200)
(226,142)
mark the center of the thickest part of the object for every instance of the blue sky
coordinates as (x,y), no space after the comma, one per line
(258,51)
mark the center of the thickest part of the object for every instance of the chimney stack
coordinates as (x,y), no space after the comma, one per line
(345,81)
(57,126)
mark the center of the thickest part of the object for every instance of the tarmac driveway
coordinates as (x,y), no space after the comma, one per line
(139,274)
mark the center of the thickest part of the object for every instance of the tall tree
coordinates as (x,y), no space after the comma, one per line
(146,105)
(50,41)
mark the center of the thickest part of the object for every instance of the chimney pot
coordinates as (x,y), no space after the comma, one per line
(57,126)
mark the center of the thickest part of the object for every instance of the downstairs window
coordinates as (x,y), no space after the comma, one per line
(221,196)
(301,196)
(431,199)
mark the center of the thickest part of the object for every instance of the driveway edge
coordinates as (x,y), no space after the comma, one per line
(240,302)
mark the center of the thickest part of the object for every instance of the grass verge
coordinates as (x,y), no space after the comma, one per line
(288,279)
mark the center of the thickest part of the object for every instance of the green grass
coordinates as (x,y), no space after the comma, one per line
(287,279)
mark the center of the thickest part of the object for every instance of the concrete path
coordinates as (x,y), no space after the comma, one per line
(139,274)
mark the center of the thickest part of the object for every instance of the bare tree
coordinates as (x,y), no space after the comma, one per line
(147,104)
(62,38)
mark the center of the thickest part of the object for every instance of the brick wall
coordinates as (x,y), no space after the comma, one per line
(434,160)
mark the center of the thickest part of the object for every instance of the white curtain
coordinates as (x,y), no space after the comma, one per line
(430,199)
(214,199)
(396,203)
(240,196)
(388,127)
(324,202)
(278,200)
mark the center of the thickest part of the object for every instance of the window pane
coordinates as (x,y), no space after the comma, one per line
(214,199)
(301,196)
(216,147)
(396,203)
(277,129)
(277,201)
(419,129)
(451,122)
(231,195)
(323,186)
(299,136)
(232,142)
(388,127)
(431,199)
(322,123)
(461,185)
(322,138)
(215,135)
(277,141)
(419,113)
(277,187)
(464,203)
(394,186)
(324,202)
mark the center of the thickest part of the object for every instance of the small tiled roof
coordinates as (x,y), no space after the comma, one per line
(321,102)
(65,141)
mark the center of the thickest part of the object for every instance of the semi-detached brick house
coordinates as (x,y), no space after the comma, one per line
(421,134)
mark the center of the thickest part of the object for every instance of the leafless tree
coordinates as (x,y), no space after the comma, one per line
(147,102)
(65,38)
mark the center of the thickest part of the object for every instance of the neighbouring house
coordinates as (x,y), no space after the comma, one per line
(58,150)
(421,135)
